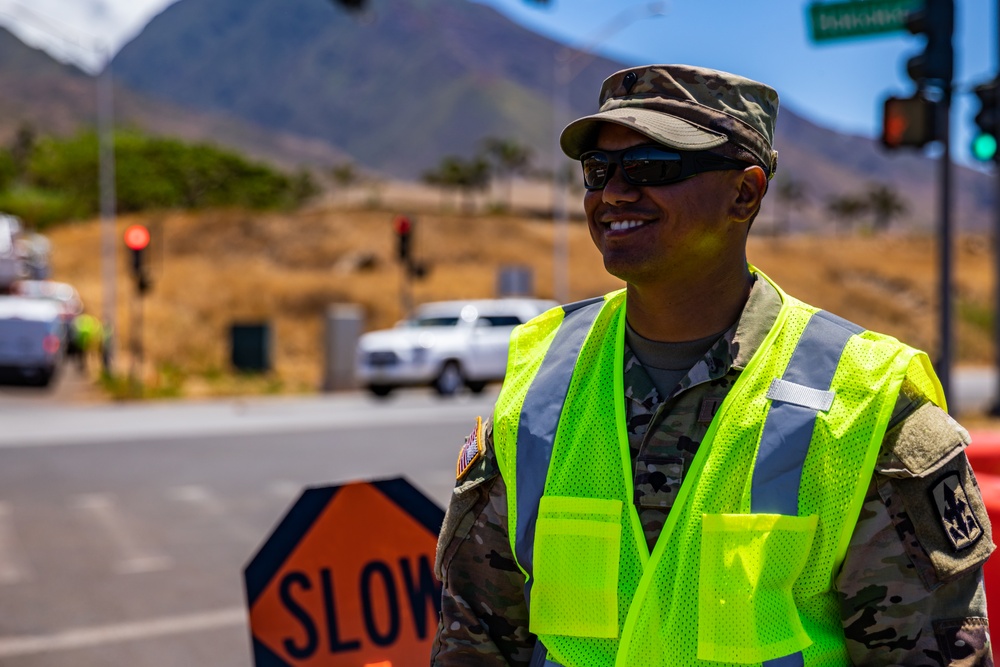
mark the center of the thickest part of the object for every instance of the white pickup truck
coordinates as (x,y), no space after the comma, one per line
(32,335)
(447,344)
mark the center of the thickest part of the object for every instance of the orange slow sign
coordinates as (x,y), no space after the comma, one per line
(347,578)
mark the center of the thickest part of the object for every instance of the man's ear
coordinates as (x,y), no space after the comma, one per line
(752,185)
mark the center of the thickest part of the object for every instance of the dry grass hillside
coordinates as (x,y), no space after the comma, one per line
(216,268)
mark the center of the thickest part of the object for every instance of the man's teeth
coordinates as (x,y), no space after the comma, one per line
(626,224)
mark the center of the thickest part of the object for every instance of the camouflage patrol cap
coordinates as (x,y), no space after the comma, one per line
(686,108)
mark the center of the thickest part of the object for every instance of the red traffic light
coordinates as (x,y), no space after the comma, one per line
(136,237)
(908,121)
(402,225)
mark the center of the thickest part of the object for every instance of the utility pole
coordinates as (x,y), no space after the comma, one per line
(946,359)
(106,142)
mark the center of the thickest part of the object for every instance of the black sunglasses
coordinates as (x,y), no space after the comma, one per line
(651,165)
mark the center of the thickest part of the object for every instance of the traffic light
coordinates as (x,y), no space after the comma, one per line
(936,64)
(137,240)
(909,121)
(984,145)
(353,5)
(403,227)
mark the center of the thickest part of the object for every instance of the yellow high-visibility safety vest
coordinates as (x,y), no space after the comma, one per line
(742,572)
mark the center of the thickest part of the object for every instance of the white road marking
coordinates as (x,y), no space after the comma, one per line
(13,564)
(199,496)
(133,555)
(206,502)
(110,634)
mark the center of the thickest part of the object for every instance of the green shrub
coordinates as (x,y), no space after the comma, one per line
(40,208)
(153,172)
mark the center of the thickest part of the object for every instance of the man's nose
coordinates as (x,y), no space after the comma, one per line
(617,190)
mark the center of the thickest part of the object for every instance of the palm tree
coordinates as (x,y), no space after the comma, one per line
(345,174)
(465,176)
(791,195)
(847,208)
(884,204)
(22,148)
(509,159)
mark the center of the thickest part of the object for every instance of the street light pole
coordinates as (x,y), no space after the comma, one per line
(563,74)
(106,158)
(560,181)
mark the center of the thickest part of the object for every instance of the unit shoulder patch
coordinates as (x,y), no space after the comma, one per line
(471,451)
(956,516)
(941,520)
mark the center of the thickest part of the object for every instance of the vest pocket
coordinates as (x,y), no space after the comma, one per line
(577,549)
(749,562)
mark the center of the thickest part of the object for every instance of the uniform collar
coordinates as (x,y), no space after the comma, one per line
(732,351)
(755,322)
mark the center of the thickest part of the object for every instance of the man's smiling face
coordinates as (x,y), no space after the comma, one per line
(648,234)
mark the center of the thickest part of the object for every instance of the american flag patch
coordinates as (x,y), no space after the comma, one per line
(472,450)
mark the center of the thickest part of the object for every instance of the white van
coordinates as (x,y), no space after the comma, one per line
(32,339)
(446,345)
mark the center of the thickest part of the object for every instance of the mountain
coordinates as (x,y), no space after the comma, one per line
(397,88)
(39,90)
(53,98)
(411,81)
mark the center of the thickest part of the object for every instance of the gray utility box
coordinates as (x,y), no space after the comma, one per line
(344,326)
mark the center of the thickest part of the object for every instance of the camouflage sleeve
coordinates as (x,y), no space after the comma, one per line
(484,618)
(911,585)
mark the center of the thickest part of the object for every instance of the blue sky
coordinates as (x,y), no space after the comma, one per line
(839,85)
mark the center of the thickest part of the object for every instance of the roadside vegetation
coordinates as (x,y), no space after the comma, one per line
(47,180)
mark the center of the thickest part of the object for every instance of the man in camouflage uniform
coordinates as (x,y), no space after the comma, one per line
(910,587)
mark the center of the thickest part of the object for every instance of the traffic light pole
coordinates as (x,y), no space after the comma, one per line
(137,240)
(917,121)
(135,374)
(995,408)
(406,290)
(945,247)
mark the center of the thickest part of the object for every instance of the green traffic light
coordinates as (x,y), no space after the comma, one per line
(984,147)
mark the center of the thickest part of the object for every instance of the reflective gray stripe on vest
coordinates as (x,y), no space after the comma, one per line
(802,391)
(536,429)
(787,432)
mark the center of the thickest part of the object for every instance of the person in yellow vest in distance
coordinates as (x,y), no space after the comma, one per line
(86,338)
(701,469)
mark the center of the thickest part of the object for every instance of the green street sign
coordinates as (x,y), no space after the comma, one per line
(840,20)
